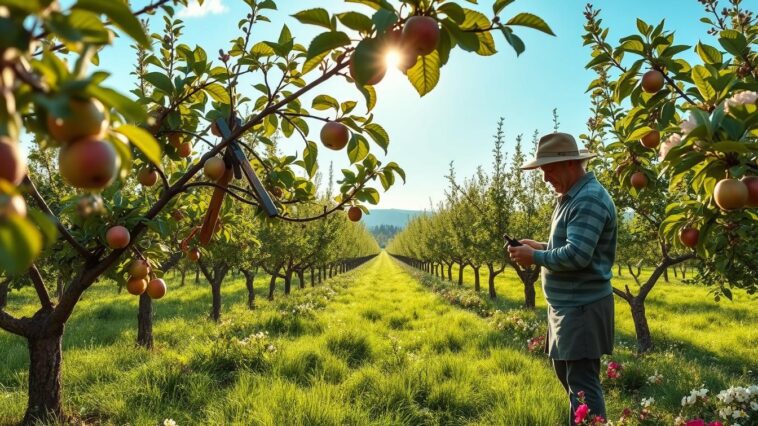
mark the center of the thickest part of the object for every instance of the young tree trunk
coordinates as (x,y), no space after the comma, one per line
(450,271)
(249,279)
(618,266)
(216,291)
(313,282)
(491,280)
(460,273)
(666,275)
(529,295)
(184,275)
(45,357)
(197,276)
(272,286)
(145,322)
(301,277)
(476,278)
(287,281)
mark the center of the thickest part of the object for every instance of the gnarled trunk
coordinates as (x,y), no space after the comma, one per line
(45,357)
(145,322)
(641,328)
(491,280)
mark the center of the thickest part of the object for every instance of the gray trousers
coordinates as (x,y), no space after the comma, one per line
(581,375)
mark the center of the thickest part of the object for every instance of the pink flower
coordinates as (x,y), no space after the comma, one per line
(695,422)
(580,395)
(715,424)
(742,98)
(672,141)
(688,125)
(598,420)
(581,413)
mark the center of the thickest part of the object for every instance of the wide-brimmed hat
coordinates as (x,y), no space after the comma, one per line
(554,148)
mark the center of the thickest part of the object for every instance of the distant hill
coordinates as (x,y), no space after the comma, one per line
(394,217)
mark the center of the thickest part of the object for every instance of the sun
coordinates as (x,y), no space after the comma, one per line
(392,58)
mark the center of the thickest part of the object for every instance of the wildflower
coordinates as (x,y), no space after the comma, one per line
(614,370)
(646,402)
(581,413)
(655,378)
(695,422)
(169,422)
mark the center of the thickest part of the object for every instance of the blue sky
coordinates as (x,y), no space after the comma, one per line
(457,120)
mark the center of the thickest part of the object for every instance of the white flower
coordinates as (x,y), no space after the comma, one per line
(738,413)
(647,402)
(754,406)
(169,422)
(655,378)
(725,412)
(688,125)
(672,141)
(741,98)
(702,393)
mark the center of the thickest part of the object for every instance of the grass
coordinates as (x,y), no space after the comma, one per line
(373,346)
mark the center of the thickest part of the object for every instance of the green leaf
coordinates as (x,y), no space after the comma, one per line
(144,141)
(701,76)
(357,148)
(513,40)
(638,133)
(348,106)
(643,27)
(218,93)
(118,12)
(370,94)
(425,75)
(730,146)
(499,5)
(310,157)
(131,109)
(324,102)
(531,21)
(368,195)
(46,224)
(325,42)
(160,81)
(453,11)
(356,21)
(262,49)
(709,54)
(317,16)
(733,42)
(633,46)
(20,244)
(383,19)
(378,134)
(486,44)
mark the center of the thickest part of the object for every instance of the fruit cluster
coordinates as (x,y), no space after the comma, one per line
(138,283)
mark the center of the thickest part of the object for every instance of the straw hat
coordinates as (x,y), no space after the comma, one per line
(554,148)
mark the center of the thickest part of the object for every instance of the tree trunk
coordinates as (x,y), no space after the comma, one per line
(618,265)
(641,328)
(249,280)
(450,271)
(45,356)
(145,322)
(529,294)
(666,275)
(491,281)
(476,278)
(272,286)
(460,273)
(287,281)
(313,282)
(4,288)
(184,275)
(197,276)
(301,277)
(216,291)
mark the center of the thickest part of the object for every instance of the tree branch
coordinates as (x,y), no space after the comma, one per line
(64,232)
(39,286)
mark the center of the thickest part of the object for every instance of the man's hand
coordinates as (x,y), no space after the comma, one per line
(533,244)
(523,255)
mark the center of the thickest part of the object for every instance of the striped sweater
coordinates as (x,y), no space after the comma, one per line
(576,265)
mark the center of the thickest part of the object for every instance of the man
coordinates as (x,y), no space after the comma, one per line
(576,269)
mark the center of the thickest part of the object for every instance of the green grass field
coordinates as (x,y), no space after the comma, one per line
(373,346)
